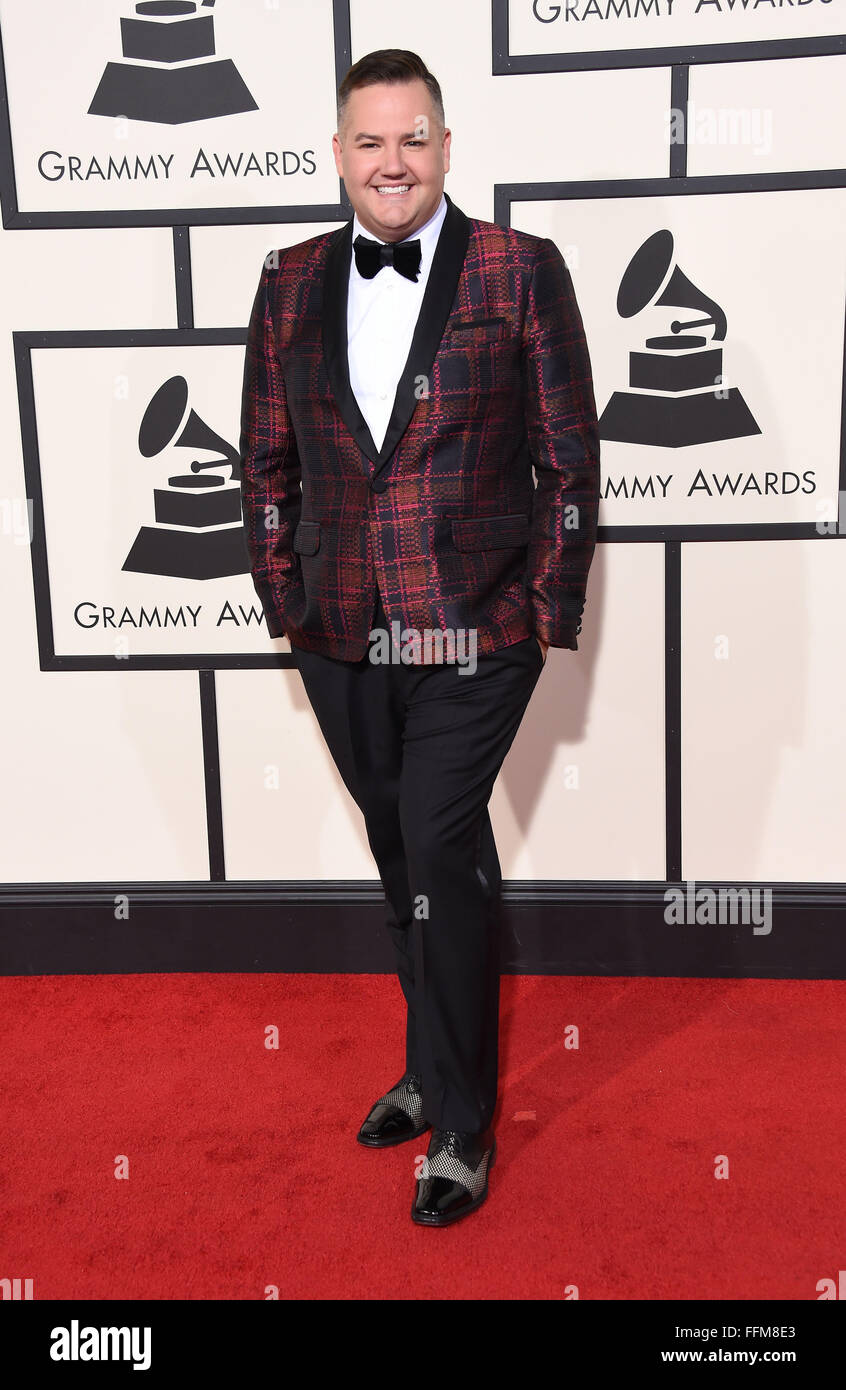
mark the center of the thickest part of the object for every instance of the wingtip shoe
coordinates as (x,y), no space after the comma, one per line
(397,1116)
(455,1180)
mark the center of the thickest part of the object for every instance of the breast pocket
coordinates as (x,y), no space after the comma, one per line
(463,332)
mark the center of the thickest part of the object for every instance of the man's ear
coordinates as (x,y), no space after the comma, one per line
(447,145)
(337,151)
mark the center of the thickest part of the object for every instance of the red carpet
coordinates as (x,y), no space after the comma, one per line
(244,1171)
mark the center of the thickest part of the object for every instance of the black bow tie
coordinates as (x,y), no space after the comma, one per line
(371,256)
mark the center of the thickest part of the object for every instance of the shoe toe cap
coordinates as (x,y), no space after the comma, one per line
(386,1121)
(437,1196)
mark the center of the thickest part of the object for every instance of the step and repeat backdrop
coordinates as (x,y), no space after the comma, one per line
(687,156)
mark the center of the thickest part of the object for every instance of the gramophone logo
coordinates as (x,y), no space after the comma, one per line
(675,395)
(163,78)
(199,532)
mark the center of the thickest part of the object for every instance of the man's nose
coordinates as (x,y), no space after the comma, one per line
(393,162)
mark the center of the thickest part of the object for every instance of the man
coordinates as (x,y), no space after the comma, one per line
(403,376)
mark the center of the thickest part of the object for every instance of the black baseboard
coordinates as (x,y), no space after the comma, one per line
(553,928)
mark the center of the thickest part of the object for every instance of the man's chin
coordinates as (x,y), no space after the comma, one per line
(393,219)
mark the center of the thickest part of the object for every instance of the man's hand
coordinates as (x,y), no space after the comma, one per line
(544,646)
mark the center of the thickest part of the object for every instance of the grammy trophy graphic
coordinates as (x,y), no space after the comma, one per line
(677,396)
(198,532)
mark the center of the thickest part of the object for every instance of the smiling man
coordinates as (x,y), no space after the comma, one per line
(394,177)
(407,377)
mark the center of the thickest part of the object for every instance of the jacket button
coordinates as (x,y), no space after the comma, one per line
(378,485)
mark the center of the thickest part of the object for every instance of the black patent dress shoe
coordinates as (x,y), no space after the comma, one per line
(397,1116)
(455,1180)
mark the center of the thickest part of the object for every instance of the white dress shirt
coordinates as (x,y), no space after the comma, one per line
(381,318)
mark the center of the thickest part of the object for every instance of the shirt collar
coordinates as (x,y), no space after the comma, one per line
(427,234)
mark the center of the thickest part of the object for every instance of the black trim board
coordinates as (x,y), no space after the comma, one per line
(211,776)
(672,710)
(679,94)
(552,928)
(183,277)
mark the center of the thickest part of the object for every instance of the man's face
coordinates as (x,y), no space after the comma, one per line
(392,140)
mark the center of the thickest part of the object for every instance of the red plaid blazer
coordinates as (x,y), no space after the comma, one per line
(445,518)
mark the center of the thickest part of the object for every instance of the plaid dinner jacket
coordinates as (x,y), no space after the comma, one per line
(445,518)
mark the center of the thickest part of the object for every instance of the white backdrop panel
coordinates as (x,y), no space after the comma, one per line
(67,158)
(116,277)
(286,812)
(583,26)
(763,734)
(776,264)
(791,115)
(99,492)
(581,795)
(104,778)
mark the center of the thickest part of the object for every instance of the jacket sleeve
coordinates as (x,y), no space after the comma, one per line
(563,437)
(270,465)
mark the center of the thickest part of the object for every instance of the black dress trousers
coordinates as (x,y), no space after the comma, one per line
(419,749)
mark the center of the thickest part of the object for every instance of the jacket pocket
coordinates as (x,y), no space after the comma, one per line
(476,330)
(491,532)
(307,538)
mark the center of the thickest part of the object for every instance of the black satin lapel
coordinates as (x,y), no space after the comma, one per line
(336,283)
(434,312)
